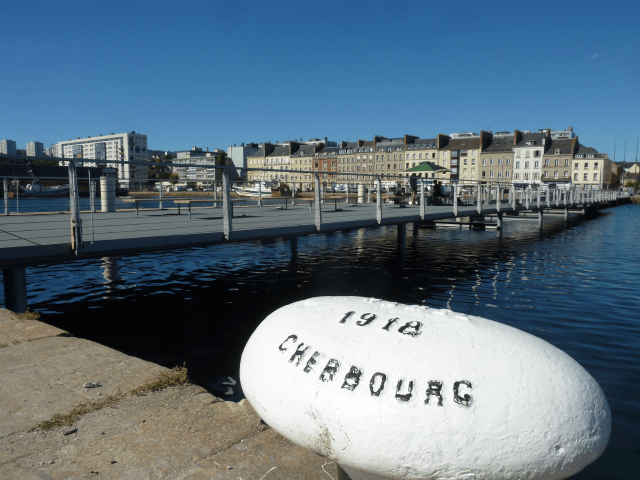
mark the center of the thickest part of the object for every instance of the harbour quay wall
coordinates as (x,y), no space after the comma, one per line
(174,432)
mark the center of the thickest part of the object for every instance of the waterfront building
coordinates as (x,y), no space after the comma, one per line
(420,150)
(111,151)
(275,159)
(528,152)
(8,147)
(557,160)
(52,151)
(196,166)
(35,149)
(389,157)
(303,159)
(347,154)
(237,157)
(496,158)
(591,169)
(326,160)
(461,154)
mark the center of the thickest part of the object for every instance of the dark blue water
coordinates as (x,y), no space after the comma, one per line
(575,285)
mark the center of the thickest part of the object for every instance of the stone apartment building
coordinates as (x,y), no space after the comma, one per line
(557,161)
(275,159)
(591,169)
(461,155)
(303,160)
(421,150)
(496,158)
(527,159)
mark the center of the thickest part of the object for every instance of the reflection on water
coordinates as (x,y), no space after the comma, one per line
(574,285)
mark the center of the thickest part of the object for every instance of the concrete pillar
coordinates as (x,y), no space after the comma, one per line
(402,236)
(566,213)
(540,218)
(107,194)
(360,193)
(499,221)
(415,228)
(15,289)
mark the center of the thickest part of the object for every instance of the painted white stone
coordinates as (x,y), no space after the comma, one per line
(523,409)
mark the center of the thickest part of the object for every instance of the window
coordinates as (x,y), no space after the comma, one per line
(491,172)
(484,162)
(575,177)
(465,161)
(595,165)
(517,176)
(484,174)
(527,154)
(536,164)
(526,164)
(586,176)
(566,174)
(473,161)
(586,165)
(546,162)
(507,174)
(546,173)
(536,153)
(492,162)
(535,176)
(419,155)
(557,162)
(499,173)
(566,162)
(555,174)
(595,176)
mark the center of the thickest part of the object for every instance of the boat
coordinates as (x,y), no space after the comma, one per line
(258,189)
(36,189)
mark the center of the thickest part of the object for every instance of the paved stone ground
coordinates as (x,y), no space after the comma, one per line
(177,433)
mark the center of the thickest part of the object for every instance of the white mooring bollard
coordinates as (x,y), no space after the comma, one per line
(400,391)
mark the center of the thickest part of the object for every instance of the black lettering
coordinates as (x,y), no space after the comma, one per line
(311,362)
(376,376)
(290,337)
(352,379)
(300,352)
(411,328)
(403,397)
(434,389)
(367,319)
(389,323)
(329,370)
(464,401)
(346,317)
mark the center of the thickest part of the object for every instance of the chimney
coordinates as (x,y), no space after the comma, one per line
(207,149)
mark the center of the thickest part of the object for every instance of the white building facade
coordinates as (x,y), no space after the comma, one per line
(527,161)
(35,149)
(8,147)
(112,151)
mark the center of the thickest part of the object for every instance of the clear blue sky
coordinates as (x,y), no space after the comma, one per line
(214,73)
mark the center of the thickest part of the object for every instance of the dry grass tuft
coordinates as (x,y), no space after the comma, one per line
(65,419)
(174,377)
(28,315)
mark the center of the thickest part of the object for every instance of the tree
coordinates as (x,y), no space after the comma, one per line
(173,178)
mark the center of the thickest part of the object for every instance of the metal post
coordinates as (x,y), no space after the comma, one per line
(498,198)
(513,198)
(15,289)
(527,194)
(455,199)
(479,198)
(227,207)
(538,198)
(566,213)
(378,201)
(499,221)
(161,189)
(318,205)
(422,208)
(76,222)
(557,197)
(6,196)
(549,198)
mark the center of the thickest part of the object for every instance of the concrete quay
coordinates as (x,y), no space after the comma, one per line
(179,432)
